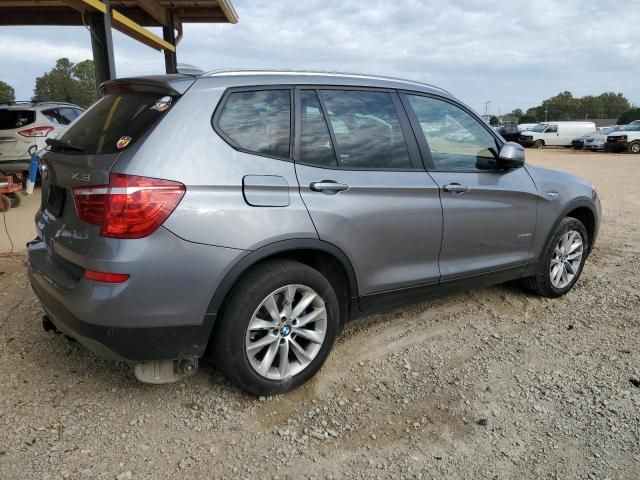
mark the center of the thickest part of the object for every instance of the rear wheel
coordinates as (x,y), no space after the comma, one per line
(277,329)
(15,199)
(634,147)
(5,203)
(562,260)
(539,144)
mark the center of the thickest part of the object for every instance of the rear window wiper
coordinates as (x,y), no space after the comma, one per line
(59,144)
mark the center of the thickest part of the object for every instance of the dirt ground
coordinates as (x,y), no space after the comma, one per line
(493,383)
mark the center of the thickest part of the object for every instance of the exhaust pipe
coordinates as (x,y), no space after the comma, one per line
(48,325)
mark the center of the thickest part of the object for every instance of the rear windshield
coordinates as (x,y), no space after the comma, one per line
(114,123)
(12,119)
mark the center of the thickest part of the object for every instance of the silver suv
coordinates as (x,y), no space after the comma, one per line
(27,124)
(250,215)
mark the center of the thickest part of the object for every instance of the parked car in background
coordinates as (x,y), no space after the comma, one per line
(259,251)
(27,124)
(578,143)
(509,132)
(555,134)
(526,126)
(597,140)
(626,139)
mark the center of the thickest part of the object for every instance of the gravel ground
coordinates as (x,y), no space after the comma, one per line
(494,383)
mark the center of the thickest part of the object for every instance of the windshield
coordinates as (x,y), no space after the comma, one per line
(540,127)
(113,123)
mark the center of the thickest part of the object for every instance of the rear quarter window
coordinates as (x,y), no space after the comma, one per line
(257,121)
(112,118)
(11,119)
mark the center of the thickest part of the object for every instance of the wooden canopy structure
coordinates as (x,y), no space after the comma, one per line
(128,16)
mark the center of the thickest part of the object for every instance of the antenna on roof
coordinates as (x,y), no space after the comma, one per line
(189,69)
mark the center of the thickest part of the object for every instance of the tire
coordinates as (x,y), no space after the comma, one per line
(15,199)
(539,144)
(542,282)
(634,147)
(5,203)
(233,339)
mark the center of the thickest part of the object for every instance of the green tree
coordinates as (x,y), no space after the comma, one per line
(615,104)
(527,119)
(7,93)
(561,107)
(494,121)
(84,73)
(592,107)
(629,116)
(67,82)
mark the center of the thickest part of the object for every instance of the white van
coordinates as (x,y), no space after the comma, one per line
(555,134)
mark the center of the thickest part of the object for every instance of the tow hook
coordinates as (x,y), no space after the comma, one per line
(49,326)
(165,371)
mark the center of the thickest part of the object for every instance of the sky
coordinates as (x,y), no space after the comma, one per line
(512,53)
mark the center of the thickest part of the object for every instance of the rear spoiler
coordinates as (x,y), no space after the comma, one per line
(175,84)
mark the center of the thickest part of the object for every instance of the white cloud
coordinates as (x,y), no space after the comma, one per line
(514,53)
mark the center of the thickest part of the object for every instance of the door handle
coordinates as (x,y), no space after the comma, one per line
(328,186)
(456,188)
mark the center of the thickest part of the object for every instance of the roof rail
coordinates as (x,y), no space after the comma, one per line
(37,102)
(320,72)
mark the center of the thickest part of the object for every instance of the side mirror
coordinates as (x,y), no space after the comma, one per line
(511,156)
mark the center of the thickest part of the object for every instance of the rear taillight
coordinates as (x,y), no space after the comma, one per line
(36,132)
(130,206)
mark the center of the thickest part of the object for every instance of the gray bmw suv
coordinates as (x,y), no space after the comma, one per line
(250,215)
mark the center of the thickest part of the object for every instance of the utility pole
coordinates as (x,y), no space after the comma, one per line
(546,111)
(487,109)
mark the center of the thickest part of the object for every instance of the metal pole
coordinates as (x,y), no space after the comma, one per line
(169,35)
(102,45)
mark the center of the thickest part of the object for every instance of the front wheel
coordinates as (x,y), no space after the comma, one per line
(539,144)
(277,329)
(634,147)
(562,260)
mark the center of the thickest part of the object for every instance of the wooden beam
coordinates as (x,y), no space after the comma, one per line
(124,24)
(134,30)
(83,5)
(155,10)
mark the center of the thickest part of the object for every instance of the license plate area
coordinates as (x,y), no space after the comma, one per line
(55,200)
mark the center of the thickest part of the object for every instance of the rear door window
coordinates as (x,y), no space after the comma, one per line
(12,119)
(367,130)
(257,121)
(316,147)
(53,115)
(68,115)
(114,122)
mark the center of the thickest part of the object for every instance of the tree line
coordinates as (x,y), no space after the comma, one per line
(565,106)
(65,82)
(75,83)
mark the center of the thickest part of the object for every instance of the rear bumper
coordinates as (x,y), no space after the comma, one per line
(131,345)
(151,316)
(15,166)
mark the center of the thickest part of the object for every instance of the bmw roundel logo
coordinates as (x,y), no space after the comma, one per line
(285,330)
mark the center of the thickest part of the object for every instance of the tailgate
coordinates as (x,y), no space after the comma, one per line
(85,155)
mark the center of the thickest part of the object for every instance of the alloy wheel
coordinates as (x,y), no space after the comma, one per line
(286,332)
(566,259)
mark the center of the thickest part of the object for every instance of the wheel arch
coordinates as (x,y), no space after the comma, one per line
(588,218)
(323,256)
(581,209)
